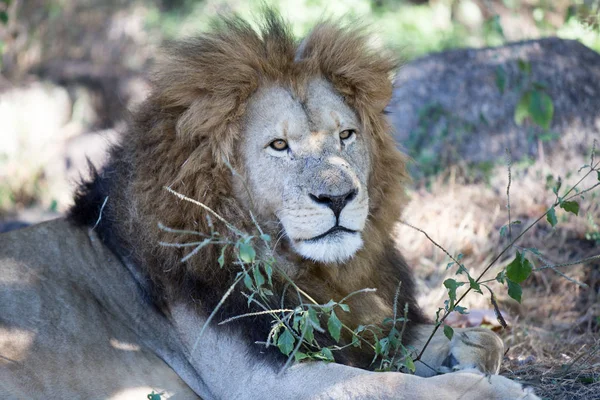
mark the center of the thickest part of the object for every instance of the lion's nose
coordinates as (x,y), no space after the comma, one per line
(336,203)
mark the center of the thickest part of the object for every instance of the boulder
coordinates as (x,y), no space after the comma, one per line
(459,105)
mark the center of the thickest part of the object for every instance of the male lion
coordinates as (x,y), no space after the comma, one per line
(93,306)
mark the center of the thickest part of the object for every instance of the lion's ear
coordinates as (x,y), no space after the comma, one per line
(344,56)
(207,80)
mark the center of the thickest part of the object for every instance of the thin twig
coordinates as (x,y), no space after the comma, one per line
(552,266)
(188,244)
(365,290)
(431,240)
(99,215)
(207,208)
(497,257)
(296,348)
(214,311)
(567,264)
(253,314)
(583,191)
(509,164)
(162,227)
(395,309)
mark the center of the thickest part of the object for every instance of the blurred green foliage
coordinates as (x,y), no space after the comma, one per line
(414,27)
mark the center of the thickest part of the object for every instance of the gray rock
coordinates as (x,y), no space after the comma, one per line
(452,106)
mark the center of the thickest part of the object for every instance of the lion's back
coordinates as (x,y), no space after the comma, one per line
(68,316)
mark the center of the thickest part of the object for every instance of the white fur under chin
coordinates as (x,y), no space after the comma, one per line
(332,248)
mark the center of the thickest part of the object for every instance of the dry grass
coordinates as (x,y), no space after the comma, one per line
(558,366)
(554,335)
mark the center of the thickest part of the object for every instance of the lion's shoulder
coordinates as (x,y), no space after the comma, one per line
(69,305)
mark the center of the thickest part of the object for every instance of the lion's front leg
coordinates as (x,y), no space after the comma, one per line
(470,348)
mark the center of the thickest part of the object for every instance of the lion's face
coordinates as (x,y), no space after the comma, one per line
(307,166)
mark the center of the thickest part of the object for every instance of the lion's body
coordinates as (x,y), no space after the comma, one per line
(243,122)
(74,322)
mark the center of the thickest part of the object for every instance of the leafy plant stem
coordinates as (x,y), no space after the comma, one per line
(507,248)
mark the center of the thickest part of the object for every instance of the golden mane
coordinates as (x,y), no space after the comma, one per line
(185,137)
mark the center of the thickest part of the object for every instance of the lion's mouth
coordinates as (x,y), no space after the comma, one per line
(333,230)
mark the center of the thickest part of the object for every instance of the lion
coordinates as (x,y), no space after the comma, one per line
(262,130)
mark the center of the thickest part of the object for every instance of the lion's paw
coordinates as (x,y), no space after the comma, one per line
(476,348)
(471,383)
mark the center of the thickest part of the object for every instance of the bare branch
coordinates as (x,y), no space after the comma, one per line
(509,165)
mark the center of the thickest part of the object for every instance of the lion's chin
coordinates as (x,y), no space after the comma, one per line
(333,248)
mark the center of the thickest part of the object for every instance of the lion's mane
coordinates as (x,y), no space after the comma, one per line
(184,137)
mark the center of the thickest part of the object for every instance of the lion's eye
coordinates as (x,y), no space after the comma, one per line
(347,134)
(279,145)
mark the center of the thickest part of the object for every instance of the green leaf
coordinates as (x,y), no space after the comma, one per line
(297,318)
(514,290)
(299,356)
(461,310)
(452,285)
(265,237)
(393,338)
(501,276)
(154,396)
(359,329)
(221,259)
(461,270)
(4,17)
(327,307)
(437,315)
(285,342)
(344,307)
(522,109)
(269,271)
(474,285)
(524,66)
(247,253)
(556,187)
(503,230)
(334,325)
(248,281)
(449,332)
(551,217)
(250,298)
(586,166)
(570,206)
(598,175)
(378,348)
(326,354)
(259,279)
(309,331)
(500,79)
(312,316)
(409,363)
(384,346)
(519,269)
(541,108)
